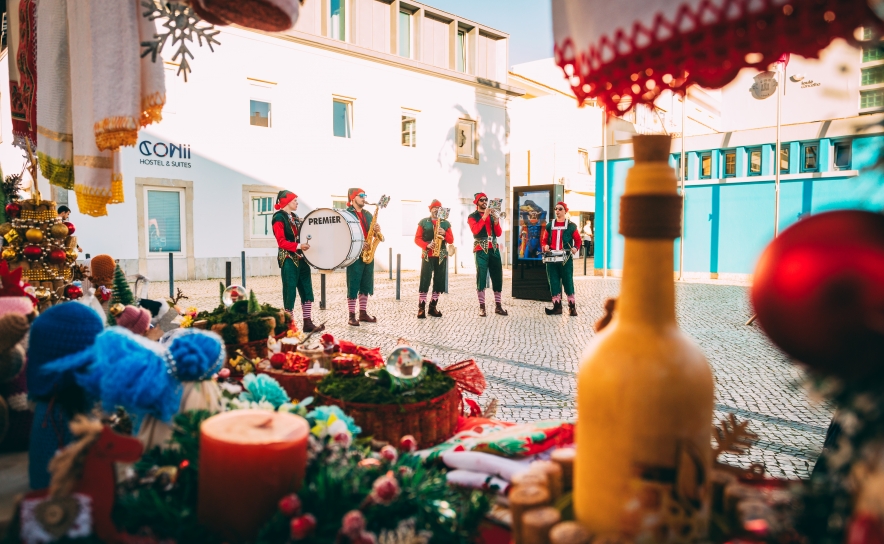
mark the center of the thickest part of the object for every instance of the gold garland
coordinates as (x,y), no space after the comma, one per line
(44,216)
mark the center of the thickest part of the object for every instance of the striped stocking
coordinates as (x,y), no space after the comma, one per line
(307,310)
(363,303)
(557,298)
(481,294)
(497,295)
(570,299)
(351,305)
(435,296)
(423,297)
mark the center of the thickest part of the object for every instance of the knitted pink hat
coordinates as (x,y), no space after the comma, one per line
(17,305)
(135,319)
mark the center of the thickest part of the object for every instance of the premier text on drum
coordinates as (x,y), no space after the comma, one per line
(323,220)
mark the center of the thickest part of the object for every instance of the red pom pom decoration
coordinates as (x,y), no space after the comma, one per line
(408,443)
(224,373)
(290,505)
(13,209)
(277,360)
(818,292)
(32,252)
(71,228)
(353,523)
(72,292)
(57,256)
(389,454)
(385,489)
(302,526)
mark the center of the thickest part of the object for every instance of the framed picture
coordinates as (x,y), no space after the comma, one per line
(465,141)
(534,209)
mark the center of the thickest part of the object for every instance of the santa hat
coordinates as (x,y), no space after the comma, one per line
(353,193)
(283,199)
(435,204)
(562,204)
(477,196)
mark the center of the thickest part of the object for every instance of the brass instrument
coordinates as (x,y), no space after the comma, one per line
(438,233)
(373,238)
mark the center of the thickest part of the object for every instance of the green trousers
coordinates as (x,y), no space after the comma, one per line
(485,263)
(296,280)
(435,269)
(360,279)
(560,275)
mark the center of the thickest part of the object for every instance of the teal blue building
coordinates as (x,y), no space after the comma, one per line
(730,192)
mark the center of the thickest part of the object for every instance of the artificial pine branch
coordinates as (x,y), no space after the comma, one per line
(732,436)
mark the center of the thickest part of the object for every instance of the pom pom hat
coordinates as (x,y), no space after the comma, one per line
(102,267)
(134,319)
(283,199)
(60,331)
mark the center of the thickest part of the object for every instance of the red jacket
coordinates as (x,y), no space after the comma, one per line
(556,242)
(419,238)
(476,225)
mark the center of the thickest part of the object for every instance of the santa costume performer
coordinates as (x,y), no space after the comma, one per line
(360,276)
(486,229)
(561,234)
(434,263)
(295,273)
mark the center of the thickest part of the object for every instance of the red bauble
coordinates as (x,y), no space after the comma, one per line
(408,443)
(277,360)
(32,252)
(818,292)
(12,210)
(389,454)
(72,292)
(290,505)
(71,228)
(301,527)
(57,256)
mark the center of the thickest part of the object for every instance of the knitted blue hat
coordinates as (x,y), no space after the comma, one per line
(61,330)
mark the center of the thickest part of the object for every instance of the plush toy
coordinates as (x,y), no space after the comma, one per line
(150,380)
(61,330)
(14,413)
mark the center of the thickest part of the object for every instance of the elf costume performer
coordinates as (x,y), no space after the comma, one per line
(434,260)
(295,273)
(486,229)
(360,276)
(561,234)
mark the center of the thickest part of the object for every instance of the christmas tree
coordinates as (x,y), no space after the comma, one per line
(254,307)
(122,292)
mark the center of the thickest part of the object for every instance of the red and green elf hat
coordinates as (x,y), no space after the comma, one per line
(283,198)
(435,204)
(562,204)
(477,196)
(353,193)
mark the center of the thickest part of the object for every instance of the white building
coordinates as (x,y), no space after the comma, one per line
(361,93)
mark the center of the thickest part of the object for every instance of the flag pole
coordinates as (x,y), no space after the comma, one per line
(681,165)
(605,191)
(777,157)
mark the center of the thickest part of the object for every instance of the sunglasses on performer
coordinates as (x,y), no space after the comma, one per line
(362,195)
(483,200)
(560,209)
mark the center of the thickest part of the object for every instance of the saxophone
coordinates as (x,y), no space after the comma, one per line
(438,233)
(372,239)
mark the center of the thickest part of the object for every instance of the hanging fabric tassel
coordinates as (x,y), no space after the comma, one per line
(153,76)
(22,51)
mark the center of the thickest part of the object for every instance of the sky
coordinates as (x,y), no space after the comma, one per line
(528,22)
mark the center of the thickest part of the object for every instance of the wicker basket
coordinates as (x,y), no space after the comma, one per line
(298,385)
(255,348)
(430,422)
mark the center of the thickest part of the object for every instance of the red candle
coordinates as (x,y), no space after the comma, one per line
(249,459)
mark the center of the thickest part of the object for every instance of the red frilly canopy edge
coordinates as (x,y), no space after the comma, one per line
(629,66)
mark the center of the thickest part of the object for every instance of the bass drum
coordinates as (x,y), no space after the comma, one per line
(335,238)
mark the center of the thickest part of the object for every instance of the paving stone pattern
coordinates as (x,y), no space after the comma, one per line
(530,359)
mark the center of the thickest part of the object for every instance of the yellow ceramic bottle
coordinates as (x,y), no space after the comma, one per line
(644,389)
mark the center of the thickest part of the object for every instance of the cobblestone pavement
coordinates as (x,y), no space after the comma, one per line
(530,359)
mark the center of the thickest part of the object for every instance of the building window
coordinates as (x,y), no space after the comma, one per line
(754,162)
(730,164)
(810,157)
(461,55)
(784,159)
(404,34)
(465,141)
(842,155)
(343,118)
(705,165)
(165,214)
(261,214)
(871,99)
(583,162)
(872,53)
(409,129)
(872,76)
(677,160)
(259,113)
(338,26)
(339,203)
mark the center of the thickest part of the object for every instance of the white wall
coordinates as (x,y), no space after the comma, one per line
(299,151)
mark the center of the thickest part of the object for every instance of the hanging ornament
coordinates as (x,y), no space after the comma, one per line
(181,24)
(818,291)
(103,293)
(12,237)
(116,309)
(71,255)
(233,294)
(13,209)
(70,226)
(33,252)
(59,231)
(8,253)
(42,294)
(57,256)
(4,228)
(35,236)
(72,292)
